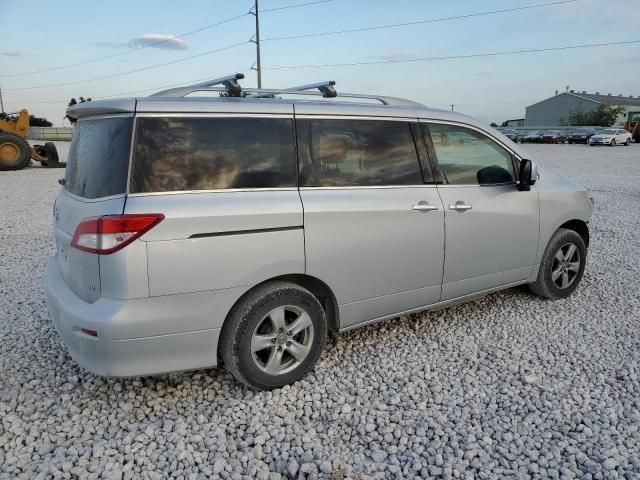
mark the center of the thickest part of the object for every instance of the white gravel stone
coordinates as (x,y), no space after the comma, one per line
(509,386)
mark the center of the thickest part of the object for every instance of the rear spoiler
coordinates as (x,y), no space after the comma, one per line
(101,107)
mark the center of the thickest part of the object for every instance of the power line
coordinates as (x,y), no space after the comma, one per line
(197,12)
(126,52)
(287,7)
(158,88)
(160,42)
(454,57)
(419,22)
(150,67)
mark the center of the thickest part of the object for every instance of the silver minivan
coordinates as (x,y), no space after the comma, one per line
(237,230)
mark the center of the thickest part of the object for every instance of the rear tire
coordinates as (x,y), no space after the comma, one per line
(273,336)
(627,142)
(51,153)
(15,152)
(562,265)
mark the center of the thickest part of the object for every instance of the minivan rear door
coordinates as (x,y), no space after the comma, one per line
(94,185)
(225,181)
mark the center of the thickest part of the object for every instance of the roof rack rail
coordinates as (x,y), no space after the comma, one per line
(230,82)
(327,89)
(232,88)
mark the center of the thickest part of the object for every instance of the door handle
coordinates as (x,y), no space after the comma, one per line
(423,206)
(460,206)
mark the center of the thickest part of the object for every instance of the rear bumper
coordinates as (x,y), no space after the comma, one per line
(143,336)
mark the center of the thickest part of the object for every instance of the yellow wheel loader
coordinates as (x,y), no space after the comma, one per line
(15,151)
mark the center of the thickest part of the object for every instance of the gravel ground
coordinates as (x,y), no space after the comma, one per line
(510,386)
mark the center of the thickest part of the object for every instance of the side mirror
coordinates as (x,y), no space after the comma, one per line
(528,175)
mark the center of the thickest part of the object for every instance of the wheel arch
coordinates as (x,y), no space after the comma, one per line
(322,292)
(317,287)
(580,227)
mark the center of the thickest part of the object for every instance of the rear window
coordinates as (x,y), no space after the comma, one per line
(98,159)
(178,154)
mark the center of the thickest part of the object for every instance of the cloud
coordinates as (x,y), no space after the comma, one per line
(159,40)
(153,40)
(10,53)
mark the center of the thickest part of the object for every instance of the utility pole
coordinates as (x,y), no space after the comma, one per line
(256,40)
(1,102)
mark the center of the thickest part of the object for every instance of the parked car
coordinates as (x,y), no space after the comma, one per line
(581,135)
(511,134)
(611,137)
(194,232)
(553,136)
(532,137)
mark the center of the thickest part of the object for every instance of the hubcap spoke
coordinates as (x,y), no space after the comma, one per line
(274,362)
(570,252)
(260,342)
(560,256)
(556,273)
(298,350)
(277,318)
(299,324)
(565,280)
(573,266)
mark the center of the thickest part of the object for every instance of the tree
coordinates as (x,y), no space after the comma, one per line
(73,102)
(603,116)
(39,122)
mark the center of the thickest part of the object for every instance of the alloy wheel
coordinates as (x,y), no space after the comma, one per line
(566,266)
(282,340)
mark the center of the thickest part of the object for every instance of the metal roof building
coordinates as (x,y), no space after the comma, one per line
(554,110)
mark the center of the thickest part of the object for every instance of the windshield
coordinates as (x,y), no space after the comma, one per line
(98,161)
(608,131)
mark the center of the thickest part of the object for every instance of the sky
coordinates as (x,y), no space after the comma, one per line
(44,44)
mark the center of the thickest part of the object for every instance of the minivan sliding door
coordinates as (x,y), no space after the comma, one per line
(374,231)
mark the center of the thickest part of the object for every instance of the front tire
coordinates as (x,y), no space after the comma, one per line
(273,336)
(613,143)
(562,265)
(15,152)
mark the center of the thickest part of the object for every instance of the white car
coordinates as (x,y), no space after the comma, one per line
(611,137)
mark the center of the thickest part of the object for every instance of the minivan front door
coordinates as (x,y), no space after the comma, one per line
(374,231)
(491,227)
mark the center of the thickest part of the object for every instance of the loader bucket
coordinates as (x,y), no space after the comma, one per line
(47,155)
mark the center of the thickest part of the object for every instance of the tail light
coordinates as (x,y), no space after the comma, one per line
(110,233)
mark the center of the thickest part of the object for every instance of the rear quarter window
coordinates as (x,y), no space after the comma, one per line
(98,160)
(181,154)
